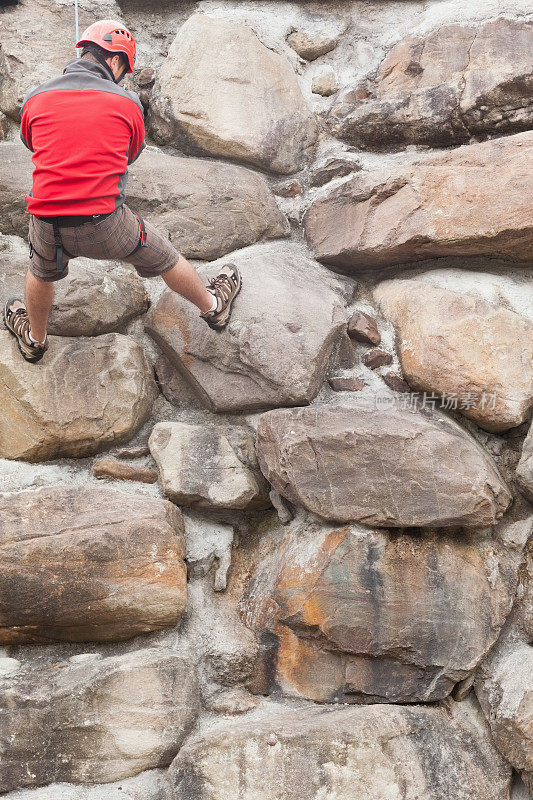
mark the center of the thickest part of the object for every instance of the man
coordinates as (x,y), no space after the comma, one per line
(84,130)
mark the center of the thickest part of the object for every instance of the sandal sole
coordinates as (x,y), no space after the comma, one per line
(12,332)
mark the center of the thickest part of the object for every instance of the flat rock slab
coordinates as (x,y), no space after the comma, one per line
(275,349)
(83,564)
(95,297)
(208,208)
(93,719)
(471,201)
(306,753)
(442,88)
(221,91)
(199,467)
(361,616)
(475,355)
(388,467)
(82,396)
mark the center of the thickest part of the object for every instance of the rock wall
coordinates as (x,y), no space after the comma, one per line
(291,561)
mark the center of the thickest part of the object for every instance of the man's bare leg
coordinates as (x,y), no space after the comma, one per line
(39,299)
(184,280)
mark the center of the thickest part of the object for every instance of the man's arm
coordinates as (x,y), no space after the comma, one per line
(137,143)
(25,129)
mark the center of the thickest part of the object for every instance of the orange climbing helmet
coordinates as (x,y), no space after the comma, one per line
(112,36)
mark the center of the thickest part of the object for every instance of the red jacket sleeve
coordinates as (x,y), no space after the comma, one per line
(137,144)
(25,129)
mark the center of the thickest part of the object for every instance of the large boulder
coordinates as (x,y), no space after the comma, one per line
(221,91)
(93,719)
(24,26)
(95,297)
(83,564)
(475,355)
(276,346)
(355,615)
(470,201)
(389,467)
(82,396)
(206,207)
(504,687)
(443,88)
(307,753)
(199,467)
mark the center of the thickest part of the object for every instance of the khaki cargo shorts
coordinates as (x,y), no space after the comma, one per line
(114,238)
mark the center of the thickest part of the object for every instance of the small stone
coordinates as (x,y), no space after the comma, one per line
(112,468)
(396,382)
(231,702)
(346,384)
(345,357)
(311,46)
(333,168)
(377,358)
(292,189)
(146,77)
(285,514)
(133,452)
(325,83)
(363,328)
(272,739)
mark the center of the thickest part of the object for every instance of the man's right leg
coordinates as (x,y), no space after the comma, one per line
(184,280)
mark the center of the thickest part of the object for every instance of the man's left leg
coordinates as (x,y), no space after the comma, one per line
(27,322)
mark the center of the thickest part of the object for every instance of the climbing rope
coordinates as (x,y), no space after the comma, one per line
(78,52)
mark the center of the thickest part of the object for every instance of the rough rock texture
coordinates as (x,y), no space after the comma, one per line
(377,358)
(22,65)
(95,297)
(441,89)
(83,395)
(362,616)
(208,208)
(16,169)
(95,720)
(524,470)
(221,91)
(208,544)
(505,692)
(83,564)
(464,202)
(275,348)
(476,355)
(340,383)
(305,753)
(149,785)
(388,467)
(199,467)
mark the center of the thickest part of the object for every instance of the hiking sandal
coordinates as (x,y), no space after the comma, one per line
(17,323)
(225,287)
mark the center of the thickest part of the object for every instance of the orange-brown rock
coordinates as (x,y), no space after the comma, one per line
(357,615)
(377,358)
(363,328)
(383,466)
(82,564)
(442,88)
(470,201)
(475,355)
(113,468)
